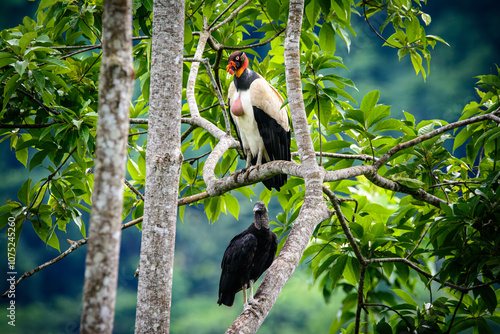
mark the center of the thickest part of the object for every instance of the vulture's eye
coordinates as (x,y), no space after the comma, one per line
(237,57)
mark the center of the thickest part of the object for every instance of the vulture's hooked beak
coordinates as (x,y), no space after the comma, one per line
(231,67)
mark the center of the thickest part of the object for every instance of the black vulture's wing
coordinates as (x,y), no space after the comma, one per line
(236,266)
(272,249)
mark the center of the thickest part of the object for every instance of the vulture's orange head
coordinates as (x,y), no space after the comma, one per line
(237,63)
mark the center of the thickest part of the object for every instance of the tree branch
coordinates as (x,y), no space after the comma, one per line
(29,126)
(430,135)
(74,245)
(230,17)
(313,209)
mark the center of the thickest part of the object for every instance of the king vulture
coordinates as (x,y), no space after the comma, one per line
(248,255)
(262,126)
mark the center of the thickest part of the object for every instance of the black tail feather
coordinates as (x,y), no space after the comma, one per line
(275,182)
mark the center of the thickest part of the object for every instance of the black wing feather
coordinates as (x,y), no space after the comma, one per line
(277,142)
(236,265)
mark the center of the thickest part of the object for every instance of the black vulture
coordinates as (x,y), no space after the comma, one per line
(248,255)
(261,123)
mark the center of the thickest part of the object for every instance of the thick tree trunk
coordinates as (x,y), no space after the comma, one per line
(115,89)
(163,163)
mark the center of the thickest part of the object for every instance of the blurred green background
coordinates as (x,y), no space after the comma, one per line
(50,301)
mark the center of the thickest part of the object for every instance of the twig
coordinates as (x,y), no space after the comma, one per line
(29,126)
(374,30)
(137,133)
(134,190)
(390,308)
(430,276)
(361,284)
(138,121)
(419,241)
(230,17)
(187,133)
(347,231)
(90,67)
(191,160)
(455,313)
(453,183)
(193,198)
(74,245)
(220,15)
(216,88)
(251,46)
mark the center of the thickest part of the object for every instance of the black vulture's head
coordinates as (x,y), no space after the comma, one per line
(259,207)
(261,219)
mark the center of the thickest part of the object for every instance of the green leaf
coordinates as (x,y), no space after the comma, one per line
(405,296)
(6,61)
(20,66)
(23,193)
(338,268)
(357,115)
(39,79)
(378,113)
(327,38)
(46,234)
(369,101)
(273,8)
(462,136)
(437,38)
(26,39)
(340,10)
(408,182)
(352,271)
(188,33)
(312,12)
(232,205)
(39,48)
(489,298)
(416,60)
(10,87)
(402,52)
(426,18)
(37,159)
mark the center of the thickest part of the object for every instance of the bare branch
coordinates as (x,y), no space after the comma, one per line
(363,157)
(221,14)
(230,17)
(453,183)
(193,198)
(347,231)
(134,190)
(138,121)
(216,88)
(74,245)
(193,73)
(251,46)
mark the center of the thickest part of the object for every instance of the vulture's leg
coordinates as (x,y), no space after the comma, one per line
(248,152)
(245,302)
(259,157)
(250,296)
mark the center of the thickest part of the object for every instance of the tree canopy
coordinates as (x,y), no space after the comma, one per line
(380,207)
